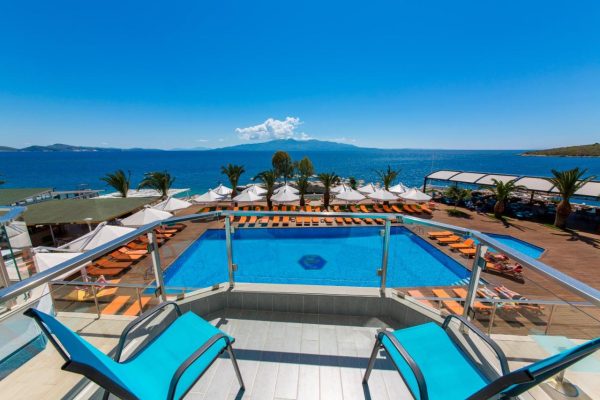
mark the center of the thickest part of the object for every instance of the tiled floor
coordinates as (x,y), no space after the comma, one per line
(299,356)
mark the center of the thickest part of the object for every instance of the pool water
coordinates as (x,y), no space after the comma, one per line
(522,246)
(314,256)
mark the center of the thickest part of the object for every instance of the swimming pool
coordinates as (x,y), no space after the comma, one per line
(520,245)
(344,256)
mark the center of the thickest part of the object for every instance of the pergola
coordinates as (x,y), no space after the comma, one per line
(534,184)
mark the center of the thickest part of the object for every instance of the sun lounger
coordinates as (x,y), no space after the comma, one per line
(467,244)
(164,368)
(252,220)
(449,239)
(477,305)
(299,221)
(396,209)
(387,209)
(436,234)
(339,220)
(451,305)
(275,221)
(468,252)
(104,263)
(434,366)
(377,209)
(95,271)
(137,246)
(506,293)
(120,256)
(364,208)
(426,209)
(511,271)
(264,221)
(328,220)
(416,294)
(490,294)
(135,309)
(407,209)
(127,250)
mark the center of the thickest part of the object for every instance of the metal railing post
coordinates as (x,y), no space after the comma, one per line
(549,319)
(495,305)
(229,246)
(384,258)
(474,281)
(158,275)
(96,300)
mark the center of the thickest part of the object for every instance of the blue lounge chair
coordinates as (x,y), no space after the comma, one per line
(433,366)
(166,368)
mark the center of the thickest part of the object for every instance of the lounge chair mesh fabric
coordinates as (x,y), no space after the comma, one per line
(449,374)
(148,374)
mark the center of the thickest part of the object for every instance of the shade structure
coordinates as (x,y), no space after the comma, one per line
(209,197)
(382,195)
(399,188)
(367,189)
(415,194)
(146,216)
(172,204)
(44,261)
(351,196)
(101,235)
(145,193)
(285,196)
(222,190)
(287,188)
(340,188)
(248,196)
(256,189)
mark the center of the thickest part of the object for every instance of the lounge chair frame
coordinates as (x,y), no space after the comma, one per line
(110,386)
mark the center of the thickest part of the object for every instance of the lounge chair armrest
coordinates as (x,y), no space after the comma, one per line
(484,337)
(144,317)
(423,394)
(191,359)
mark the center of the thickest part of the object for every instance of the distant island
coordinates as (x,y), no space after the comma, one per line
(588,150)
(59,147)
(294,145)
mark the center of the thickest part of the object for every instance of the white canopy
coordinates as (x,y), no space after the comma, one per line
(44,261)
(145,193)
(18,235)
(172,204)
(209,197)
(415,195)
(256,189)
(340,188)
(248,196)
(288,188)
(99,236)
(146,216)
(367,189)
(382,195)
(399,188)
(285,196)
(350,195)
(222,190)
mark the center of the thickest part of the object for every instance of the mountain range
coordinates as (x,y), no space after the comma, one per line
(273,145)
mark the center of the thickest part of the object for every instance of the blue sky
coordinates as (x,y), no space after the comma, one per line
(480,74)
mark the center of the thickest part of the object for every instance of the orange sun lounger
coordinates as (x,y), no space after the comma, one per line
(396,209)
(436,234)
(451,305)
(416,294)
(468,252)
(477,305)
(407,208)
(252,220)
(387,209)
(449,239)
(467,244)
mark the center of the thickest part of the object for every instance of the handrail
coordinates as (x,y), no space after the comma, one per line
(71,265)
(507,301)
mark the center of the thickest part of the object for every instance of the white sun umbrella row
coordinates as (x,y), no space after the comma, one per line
(172,204)
(287,188)
(285,195)
(248,196)
(350,196)
(415,194)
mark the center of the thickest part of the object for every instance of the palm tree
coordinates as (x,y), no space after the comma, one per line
(282,165)
(119,181)
(328,180)
(159,181)
(502,191)
(268,178)
(388,176)
(305,170)
(352,182)
(457,194)
(567,183)
(233,172)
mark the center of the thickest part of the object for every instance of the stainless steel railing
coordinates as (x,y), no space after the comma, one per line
(572,284)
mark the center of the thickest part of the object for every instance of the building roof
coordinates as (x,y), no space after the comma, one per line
(12,196)
(76,211)
(532,183)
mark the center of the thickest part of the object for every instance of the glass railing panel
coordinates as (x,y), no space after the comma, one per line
(308,249)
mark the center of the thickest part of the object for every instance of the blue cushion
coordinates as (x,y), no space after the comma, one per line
(148,374)
(448,372)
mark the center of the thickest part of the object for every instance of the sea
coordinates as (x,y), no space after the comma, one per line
(201,170)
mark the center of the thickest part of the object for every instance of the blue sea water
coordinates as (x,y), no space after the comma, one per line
(200,170)
(314,256)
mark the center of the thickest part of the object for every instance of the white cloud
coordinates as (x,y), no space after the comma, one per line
(273,129)
(201,140)
(221,140)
